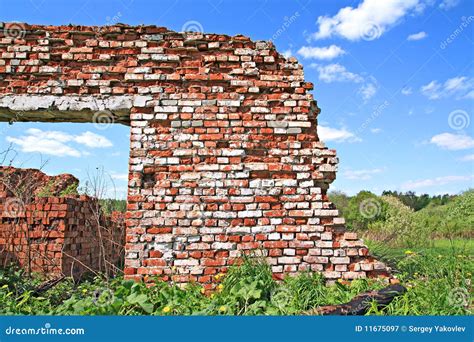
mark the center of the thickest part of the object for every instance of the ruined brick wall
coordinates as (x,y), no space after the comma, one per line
(224,154)
(55,235)
(16,182)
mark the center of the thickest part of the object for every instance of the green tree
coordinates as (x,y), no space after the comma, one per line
(418,202)
(363,209)
(340,200)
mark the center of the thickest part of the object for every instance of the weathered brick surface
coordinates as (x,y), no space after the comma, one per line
(55,235)
(225,158)
(33,182)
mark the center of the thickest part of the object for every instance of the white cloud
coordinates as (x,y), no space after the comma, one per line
(429,110)
(119,192)
(338,135)
(368,90)
(417,36)
(460,87)
(449,141)
(407,90)
(467,158)
(56,142)
(92,140)
(469,95)
(287,53)
(336,73)
(376,130)
(361,174)
(448,4)
(438,181)
(369,20)
(431,90)
(457,83)
(119,176)
(326,52)
(44,143)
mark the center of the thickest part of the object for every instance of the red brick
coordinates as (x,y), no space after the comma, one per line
(217,167)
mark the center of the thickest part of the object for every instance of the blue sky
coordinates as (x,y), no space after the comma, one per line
(394,81)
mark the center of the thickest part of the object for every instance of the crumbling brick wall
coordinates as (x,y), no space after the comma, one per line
(16,182)
(55,235)
(224,154)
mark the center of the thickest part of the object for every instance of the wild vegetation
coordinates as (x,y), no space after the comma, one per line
(437,285)
(405,219)
(428,249)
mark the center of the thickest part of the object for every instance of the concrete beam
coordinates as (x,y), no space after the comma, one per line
(74,108)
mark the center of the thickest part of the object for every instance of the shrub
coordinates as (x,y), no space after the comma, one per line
(340,200)
(71,189)
(399,227)
(452,220)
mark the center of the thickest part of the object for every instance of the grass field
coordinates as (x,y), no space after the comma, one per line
(438,279)
(444,245)
(428,246)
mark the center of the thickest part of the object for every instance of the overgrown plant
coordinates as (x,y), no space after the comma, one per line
(437,284)
(100,187)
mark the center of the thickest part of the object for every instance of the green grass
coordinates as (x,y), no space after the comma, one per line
(445,246)
(438,247)
(438,280)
